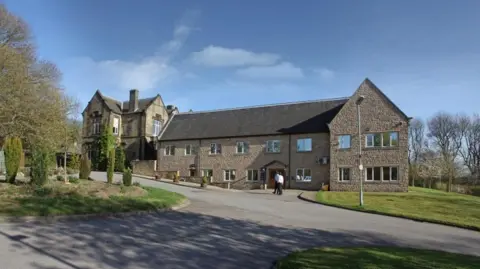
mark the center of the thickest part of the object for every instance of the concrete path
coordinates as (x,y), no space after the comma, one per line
(219,229)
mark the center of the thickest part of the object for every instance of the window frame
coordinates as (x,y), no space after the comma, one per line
(96,126)
(382,136)
(229,174)
(116,132)
(168,149)
(272,142)
(341,174)
(245,147)
(188,146)
(206,169)
(248,175)
(390,169)
(218,149)
(156,125)
(349,141)
(302,179)
(303,140)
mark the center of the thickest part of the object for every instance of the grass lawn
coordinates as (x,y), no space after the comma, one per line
(419,203)
(376,258)
(84,197)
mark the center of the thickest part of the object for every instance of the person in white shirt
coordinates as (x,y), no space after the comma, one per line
(277,176)
(280,184)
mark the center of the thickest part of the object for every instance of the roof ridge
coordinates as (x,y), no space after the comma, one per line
(266,105)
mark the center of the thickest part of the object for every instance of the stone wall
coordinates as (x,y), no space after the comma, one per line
(145,168)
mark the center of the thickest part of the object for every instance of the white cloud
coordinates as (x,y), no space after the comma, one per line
(215,56)
(324,73)
(284,70)
(145,74)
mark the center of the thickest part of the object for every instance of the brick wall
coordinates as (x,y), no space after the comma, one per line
(146,168)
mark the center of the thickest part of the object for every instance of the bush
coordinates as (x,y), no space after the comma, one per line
(39,170)
(119,159)
(127,177)
(60,178)
(475,191)
(136,184)
(110,165)
(13,154)
(74,163)
(85,166)
(71,171)
(73,179)
(204,182)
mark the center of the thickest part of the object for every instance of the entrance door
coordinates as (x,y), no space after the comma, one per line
(271,176)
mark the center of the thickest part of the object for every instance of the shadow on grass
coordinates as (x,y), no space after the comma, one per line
(376,257)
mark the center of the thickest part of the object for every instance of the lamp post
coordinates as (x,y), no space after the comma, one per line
(360,165)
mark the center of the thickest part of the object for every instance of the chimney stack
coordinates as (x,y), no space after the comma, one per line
(133,102)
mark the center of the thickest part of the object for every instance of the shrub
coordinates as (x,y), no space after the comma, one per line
(127,177)
(175,178)
(110,165)
(119,159)
(60,178)
(39,170)
(106,142)
(74,163)
(71,171)
(204,181)
(73,179)
(13,154)
(85,167)
(475,191)
(136,184)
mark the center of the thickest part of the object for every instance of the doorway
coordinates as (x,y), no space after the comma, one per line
(271,176)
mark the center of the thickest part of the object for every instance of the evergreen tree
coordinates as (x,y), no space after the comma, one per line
(85,166)
(13,155)
(106,143)
(119,159)
(110,165)
(40,161)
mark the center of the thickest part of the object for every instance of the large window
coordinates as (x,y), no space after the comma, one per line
(242,147)
(116,124)
(344,174)
(385,173)
(388,139)
(215,148)
(157,127)
(304,144)
(344,141)
(188,150)
(273,146)
(169,150)
(207,173)
(252,175)
(96,126)
(304,174)
(229,174)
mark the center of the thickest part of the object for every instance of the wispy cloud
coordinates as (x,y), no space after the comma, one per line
(324,73)
(144,74)
(284,70)
(214,56)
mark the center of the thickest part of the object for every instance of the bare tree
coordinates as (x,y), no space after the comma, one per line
(429,167)
(446,131)
(416,137)
(470,152)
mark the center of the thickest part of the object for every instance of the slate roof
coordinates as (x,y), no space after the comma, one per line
(290,118)
(115,106)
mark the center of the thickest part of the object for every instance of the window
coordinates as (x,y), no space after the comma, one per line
(96,126)
(242,147)
(157,127)
(115,126)
(344,141)
(215,148)
(252,175)
(229,175)
(388,139)
(384,173)
(304,144)
(273,146)
(304,174)
(188,150)
(207,173)
(169,150)
(344,174)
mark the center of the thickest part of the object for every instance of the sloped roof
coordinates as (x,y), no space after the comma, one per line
(115,105)
(290,118)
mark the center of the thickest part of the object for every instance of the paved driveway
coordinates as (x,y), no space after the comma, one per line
(220,229)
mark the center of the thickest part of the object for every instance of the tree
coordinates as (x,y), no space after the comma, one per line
(85,167)
(13,155)
(470,153)
(106,142)
(119,159)
(446,131)
(40,162)
(429,167)
(110,165)
(416,137)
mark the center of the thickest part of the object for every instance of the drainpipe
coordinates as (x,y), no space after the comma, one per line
(289,158)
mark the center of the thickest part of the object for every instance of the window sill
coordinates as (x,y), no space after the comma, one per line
(382,182)
(305,151)
(272,152)
(380,148)
(213,155)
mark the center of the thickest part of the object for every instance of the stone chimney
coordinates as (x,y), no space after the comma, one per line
(133,101)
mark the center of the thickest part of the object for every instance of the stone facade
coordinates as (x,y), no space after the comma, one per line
(378,115)
(145,167)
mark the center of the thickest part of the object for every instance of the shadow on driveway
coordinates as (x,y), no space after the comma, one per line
(173,240)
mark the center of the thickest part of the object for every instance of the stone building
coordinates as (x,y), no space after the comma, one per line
(312,143)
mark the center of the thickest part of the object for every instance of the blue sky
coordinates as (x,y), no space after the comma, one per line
(425,55)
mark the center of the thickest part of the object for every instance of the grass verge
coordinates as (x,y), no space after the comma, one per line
(376,257)
(85,197)
(419,204)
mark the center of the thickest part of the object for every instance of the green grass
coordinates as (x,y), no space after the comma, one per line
(86,197)
(419,204)
(376,258)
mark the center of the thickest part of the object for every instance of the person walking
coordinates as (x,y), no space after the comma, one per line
(275,190)
(280,184)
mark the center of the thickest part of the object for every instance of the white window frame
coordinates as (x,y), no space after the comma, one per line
(244,147)
(217,150)
(303,177)
(229,177)
(302,143)
(250,173)
(206,169)
(169,150)
(381,173)
(272,148)
(372,136)
(340,174)
(157,127)
(116,126)
(188,149)
(340,139)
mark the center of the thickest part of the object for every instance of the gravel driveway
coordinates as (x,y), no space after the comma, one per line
(220,229)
